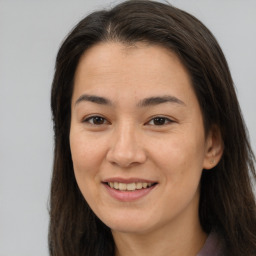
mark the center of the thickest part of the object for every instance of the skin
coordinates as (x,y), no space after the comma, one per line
(127,142)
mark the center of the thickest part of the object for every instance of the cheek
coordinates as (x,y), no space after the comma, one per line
(85,152)
(181,158)
(178,150)
(87,158)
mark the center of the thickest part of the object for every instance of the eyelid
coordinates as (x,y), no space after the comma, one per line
(87,119)
(90,117)
(168,119)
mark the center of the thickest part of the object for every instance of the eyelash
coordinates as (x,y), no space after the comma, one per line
(163,120)
(91,120)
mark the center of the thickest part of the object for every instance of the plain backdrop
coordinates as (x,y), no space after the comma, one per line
(30,33)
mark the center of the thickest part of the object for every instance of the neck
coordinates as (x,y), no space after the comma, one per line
(184,238)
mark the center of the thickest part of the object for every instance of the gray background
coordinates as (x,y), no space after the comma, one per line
(30,33)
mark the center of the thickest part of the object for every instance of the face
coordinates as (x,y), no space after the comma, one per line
(137,138)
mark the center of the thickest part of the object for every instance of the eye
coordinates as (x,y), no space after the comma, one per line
(159,121)
(95,120)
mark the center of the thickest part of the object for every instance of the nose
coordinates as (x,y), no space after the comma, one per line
(126,149)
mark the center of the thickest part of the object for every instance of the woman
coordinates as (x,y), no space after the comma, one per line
(151,152)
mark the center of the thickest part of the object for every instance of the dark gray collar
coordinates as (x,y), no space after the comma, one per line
(213,246)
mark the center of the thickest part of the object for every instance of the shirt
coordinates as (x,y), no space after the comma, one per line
(213,246)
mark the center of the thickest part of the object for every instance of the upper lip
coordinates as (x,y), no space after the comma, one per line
(128,180)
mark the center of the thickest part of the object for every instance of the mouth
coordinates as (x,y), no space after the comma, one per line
(130,186)
(133,186)
(129,190)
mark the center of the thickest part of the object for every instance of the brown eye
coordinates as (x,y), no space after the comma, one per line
(95,120)
(159,121)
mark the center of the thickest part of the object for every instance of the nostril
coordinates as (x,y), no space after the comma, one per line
(126,159)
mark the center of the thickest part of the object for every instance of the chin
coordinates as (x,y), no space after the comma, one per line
(132,229)
(129,223)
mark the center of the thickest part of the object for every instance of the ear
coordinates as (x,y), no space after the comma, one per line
(213,148)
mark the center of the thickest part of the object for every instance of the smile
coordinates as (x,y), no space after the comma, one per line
(128,190)
(130,186)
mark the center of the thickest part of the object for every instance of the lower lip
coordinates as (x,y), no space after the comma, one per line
(128,196)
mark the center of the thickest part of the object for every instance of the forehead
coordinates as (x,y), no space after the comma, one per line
(141,70)
(144,58)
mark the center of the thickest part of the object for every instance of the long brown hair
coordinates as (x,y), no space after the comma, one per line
(227,203)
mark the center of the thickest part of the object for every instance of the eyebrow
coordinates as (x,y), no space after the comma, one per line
(94,99)
(151,101)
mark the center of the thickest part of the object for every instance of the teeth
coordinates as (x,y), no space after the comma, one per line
(130,186)
(139,185)
(144,185)
(116,185)
(122,186)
